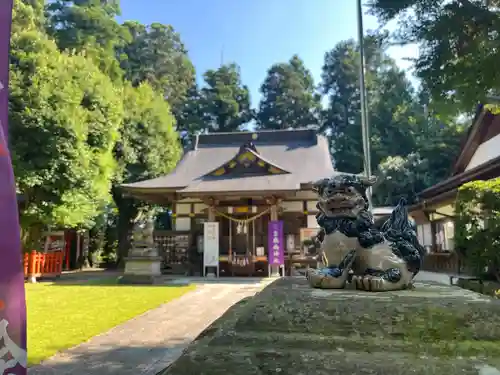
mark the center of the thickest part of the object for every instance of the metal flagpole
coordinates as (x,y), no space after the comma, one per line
(365,127)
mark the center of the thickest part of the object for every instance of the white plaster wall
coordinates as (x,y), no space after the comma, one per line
(311,206)
(292,206)
(305,195)
(183,223)
(199,207)
(311,221)
(183,209)
(424,234)
(485,152)
(449,231)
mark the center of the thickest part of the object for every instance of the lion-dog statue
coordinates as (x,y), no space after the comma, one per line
(352,249)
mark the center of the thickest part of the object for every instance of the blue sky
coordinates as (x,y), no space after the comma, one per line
(257,33)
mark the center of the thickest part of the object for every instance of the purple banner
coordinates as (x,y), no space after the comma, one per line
(12,301)
(5,24)
(276,243)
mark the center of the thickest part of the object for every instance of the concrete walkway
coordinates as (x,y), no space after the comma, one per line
(151,342)
(436,277)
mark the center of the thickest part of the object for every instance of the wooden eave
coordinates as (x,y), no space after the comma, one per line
(446,190)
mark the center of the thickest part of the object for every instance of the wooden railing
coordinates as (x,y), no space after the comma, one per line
(43,264)
(442,262)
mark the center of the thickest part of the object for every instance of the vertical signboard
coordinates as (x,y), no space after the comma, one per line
(210,246)
(276,243)
(12,301)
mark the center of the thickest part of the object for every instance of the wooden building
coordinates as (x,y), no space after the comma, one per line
(479,159)
(241,180)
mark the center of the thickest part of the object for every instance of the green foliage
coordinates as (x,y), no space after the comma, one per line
(401,177)
(225,101)
(77,129)
(289,98)
(157,55)
(90,26)
(149,145)
(458,46)
(401,125)
(65,116)
(391,105)
(190,115)
(477,226)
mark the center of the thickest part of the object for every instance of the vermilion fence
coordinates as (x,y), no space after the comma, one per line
(43,264)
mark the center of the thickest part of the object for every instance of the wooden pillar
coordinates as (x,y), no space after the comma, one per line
(274,212)
(211,213)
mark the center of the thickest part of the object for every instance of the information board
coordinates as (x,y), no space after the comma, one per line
(210,245)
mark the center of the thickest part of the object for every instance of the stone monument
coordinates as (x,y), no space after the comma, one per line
(354,251)
(143,265)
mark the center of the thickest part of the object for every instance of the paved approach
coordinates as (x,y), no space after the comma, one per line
(149,343)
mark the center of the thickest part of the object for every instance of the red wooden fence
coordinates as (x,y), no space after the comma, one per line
(43,264)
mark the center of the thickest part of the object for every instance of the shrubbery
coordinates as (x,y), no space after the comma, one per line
(477,234)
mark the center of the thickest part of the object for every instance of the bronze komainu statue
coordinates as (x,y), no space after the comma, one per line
(353,249)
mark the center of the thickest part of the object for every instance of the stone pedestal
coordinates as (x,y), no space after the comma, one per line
(275,271)
(143,265)
(142,268)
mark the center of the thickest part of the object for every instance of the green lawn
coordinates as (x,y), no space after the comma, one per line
(62,316)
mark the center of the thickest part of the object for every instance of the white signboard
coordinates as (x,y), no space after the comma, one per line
(211,245)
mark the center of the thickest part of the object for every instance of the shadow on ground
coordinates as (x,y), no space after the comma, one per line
(121,360)
(113,279)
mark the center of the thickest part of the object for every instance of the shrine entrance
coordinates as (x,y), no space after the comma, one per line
(243,240)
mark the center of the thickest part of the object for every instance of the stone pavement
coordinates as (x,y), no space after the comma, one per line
(149,343)
(436,277)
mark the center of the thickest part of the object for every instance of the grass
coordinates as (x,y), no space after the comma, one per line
(62,316)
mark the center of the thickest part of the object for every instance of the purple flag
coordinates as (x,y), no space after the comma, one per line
(276,243)
(12,301)
(5,24)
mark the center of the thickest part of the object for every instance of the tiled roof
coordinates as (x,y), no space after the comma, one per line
(303,153)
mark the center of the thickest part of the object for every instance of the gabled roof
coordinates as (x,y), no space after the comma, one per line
(247,161)
(299,156)
(474,138)
(484,126)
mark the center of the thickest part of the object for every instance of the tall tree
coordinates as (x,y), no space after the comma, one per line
(289,99)
(90,26)
(65,116)
(390,97)
(408,141)
(225,101)
(458,46)
(148,147)
(190,116)
(157,55)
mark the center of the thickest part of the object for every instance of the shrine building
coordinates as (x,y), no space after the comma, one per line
(242,181)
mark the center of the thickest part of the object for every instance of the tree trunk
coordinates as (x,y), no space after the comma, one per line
(31,237)
(127,213)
